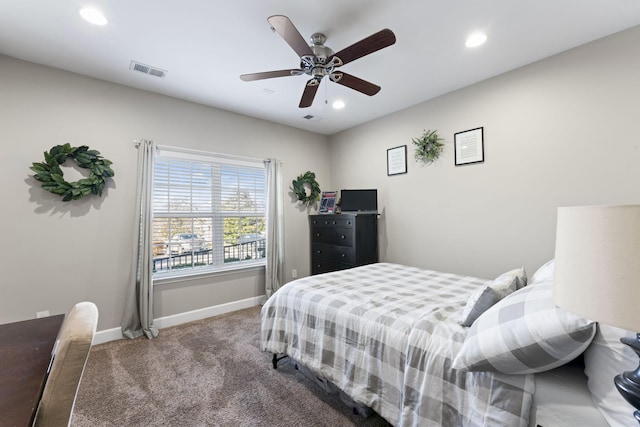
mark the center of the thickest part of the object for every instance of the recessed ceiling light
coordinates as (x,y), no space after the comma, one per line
(476,39)
(338,104)
(93,15)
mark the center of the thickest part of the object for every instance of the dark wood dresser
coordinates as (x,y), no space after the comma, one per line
(342,241)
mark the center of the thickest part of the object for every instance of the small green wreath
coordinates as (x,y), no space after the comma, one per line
(428,147)
(308,179)
(52,178)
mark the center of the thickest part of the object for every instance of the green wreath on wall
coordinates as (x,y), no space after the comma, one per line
(428,147)
(304,182)
(51,176)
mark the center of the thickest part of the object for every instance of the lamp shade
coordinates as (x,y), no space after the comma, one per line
(597,263)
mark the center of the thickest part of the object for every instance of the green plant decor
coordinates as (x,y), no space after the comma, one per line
(304,182)
(428,147)
(51,176)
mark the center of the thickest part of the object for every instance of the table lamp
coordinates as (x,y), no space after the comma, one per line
(597,274)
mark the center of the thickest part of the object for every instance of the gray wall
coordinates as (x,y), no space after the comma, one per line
(55,254)
(560,132)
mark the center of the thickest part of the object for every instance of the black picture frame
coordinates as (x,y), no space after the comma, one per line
(469,146)
(397,160)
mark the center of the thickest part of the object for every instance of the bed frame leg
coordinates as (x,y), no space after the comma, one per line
(276,359)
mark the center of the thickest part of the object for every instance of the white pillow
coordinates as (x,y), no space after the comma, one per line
(544,272)
(524,333)
(605,358)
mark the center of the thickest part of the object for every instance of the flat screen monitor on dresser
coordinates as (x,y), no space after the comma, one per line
(359,201)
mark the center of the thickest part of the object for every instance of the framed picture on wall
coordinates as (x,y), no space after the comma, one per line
(469,146)
(397,160)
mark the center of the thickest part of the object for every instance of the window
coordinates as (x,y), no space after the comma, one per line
(209,213)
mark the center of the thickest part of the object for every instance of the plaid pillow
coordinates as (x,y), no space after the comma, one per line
(524,333)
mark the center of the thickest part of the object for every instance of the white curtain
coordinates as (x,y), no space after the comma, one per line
(138,313)
(275,227)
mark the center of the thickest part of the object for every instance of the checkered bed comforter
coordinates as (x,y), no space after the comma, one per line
(386,334)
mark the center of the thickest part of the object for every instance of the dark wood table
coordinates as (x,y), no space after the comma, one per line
(25,356)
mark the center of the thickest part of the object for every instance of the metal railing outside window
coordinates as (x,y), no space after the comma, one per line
(232,253)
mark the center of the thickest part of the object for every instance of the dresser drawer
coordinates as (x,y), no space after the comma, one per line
(324,265)
(332,222)
(335,253)
(342,236)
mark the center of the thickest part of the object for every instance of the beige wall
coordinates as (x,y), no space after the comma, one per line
(55,254)
(562,131)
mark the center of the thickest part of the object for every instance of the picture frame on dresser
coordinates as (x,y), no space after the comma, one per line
(328,202)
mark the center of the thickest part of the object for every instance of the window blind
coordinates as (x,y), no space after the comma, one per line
(208,212)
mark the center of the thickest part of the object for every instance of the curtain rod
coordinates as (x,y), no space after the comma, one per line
(204,153)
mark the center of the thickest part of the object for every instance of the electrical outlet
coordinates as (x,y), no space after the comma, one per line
(294,273)
(42,314)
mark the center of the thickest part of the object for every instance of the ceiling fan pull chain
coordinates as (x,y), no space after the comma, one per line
(326,101)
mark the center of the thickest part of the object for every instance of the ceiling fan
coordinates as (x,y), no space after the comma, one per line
(318,60)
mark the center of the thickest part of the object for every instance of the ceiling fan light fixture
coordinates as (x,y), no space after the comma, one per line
(475,40)
(338,104)
(93,16)
(319,61)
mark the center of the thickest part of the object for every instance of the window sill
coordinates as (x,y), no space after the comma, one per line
(197,275)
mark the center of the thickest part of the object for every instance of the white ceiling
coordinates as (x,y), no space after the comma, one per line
(206,44)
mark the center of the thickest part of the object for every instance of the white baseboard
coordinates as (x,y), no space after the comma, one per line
(107,335)
(178,319)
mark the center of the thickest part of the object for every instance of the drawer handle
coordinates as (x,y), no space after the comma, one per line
(342,237)
(344,255)
(335,222)
(318,251)
(317,234)
(326,222)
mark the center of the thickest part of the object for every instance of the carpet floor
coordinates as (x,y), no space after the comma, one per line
(209,372)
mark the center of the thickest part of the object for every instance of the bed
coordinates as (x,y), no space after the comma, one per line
(411,344)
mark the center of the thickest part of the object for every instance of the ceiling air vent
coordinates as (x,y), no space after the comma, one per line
(147,69)
(310,117)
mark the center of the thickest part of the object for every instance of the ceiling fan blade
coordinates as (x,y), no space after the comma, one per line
(355,83)
(270,75)
(374,42)
(290,34)
(309,93)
